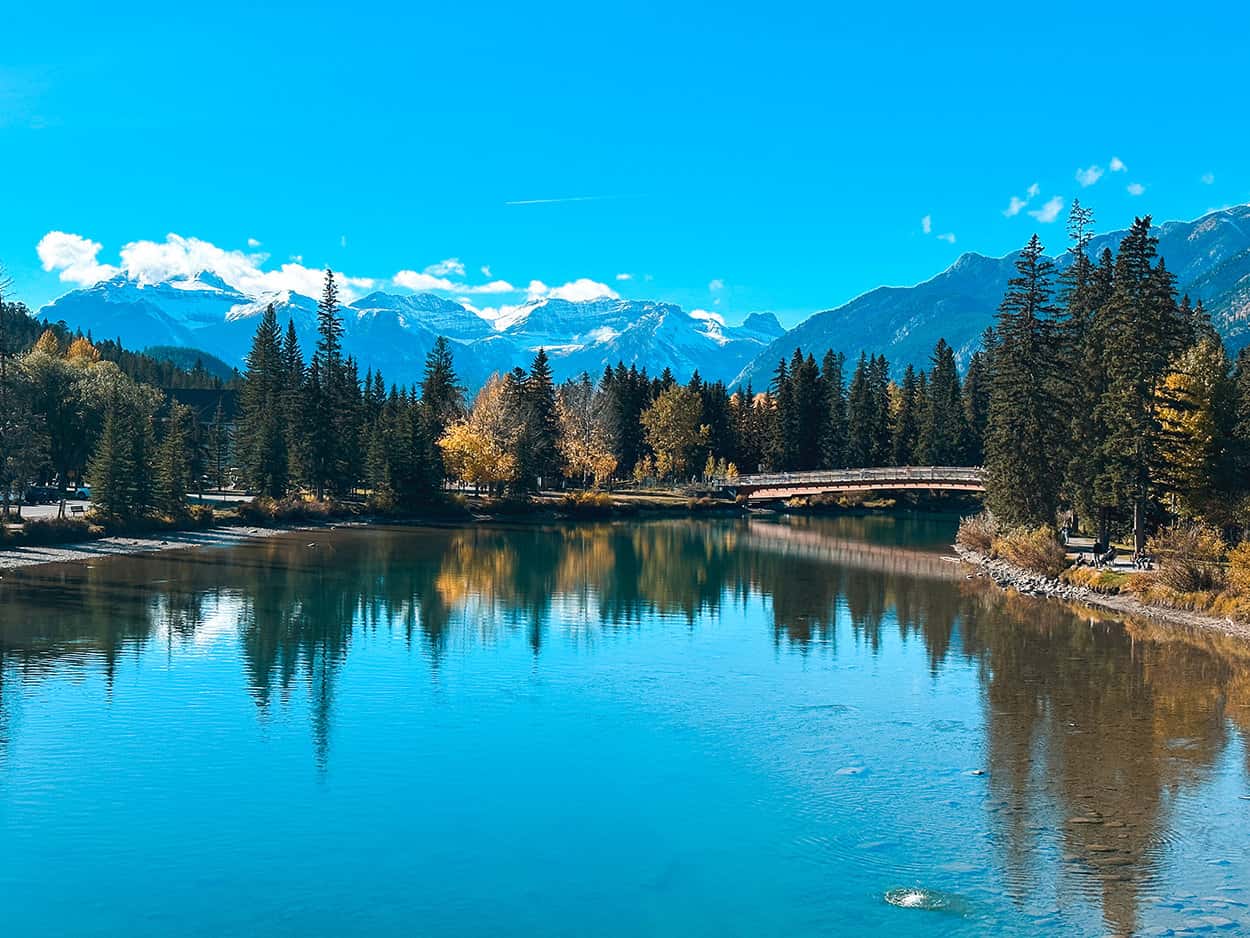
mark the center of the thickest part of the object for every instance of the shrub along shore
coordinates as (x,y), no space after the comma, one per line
(1191,577)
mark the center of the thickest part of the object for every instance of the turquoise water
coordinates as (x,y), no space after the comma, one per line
(775,727)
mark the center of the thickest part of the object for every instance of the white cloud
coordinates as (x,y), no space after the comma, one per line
(1050,211)
(926,224)
(716,284)
(1017,204)
(624,276)
(73,257)
(342,241)
(1135,188)
(1117,165)
(1087,177)
(451,265)
(574,291)
(422,282)
(1208,179)
(949,237)
(146,262)
(1014,206)
(253,243)
(425,281)
(581,289)
(485,268)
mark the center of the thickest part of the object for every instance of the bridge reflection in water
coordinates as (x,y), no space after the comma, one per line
(778,485)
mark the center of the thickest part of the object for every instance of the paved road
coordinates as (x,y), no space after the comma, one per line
(49,511)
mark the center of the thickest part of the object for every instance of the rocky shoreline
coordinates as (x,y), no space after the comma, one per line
(1008,576)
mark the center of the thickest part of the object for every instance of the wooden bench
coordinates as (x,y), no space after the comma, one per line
(77,509)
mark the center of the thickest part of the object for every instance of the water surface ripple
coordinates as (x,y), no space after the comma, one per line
(766,727)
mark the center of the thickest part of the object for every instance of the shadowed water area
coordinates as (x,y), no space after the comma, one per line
(765,727)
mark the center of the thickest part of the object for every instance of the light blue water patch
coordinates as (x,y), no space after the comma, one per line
(786,727)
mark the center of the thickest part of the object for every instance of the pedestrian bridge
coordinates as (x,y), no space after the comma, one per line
(777,485)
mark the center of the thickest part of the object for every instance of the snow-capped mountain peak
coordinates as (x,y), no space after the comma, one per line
(394,332)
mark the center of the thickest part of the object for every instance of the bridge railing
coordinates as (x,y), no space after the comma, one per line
(886,474)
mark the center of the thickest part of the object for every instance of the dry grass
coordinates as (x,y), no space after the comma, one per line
(265,510)
(1239,569)
(1034,549)
(1190,558)
(588,504)
(1098,580)
(977,532)
(1221,603)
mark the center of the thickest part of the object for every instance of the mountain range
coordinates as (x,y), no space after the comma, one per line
(393,332)
(1210,258)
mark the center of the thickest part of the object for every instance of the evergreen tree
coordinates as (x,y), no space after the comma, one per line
(782,449)
(943,438)
(906,420)
(833,433)
(262,442)
(1141,334)
(976,394)
(881,434)
(113,471)
(1022,445)
(808,401)
(442,403)
(860,416)
(219,446)
(1240,420)
(294,407)
(747,429)
(173,465)
(326,455)
(538,453)
(1086,386)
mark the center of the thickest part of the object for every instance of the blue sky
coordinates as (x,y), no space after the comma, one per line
(731,157)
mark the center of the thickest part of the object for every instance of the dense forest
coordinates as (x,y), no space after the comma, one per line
(1098,399)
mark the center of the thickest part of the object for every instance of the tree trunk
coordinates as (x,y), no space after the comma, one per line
(1139,525)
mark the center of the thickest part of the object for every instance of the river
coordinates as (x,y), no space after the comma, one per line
(776,726)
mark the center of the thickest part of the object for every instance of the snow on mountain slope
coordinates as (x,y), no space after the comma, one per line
(394,332)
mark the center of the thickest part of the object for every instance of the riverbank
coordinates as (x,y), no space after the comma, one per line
(1008,576)
(19,556)
(229,529)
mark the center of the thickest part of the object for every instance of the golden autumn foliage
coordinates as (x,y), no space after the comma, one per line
(82,350)
(480,450)
(48,344)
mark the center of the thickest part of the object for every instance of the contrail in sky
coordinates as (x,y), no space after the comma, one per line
(572,198)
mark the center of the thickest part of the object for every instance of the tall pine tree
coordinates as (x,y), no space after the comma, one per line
(1022,445)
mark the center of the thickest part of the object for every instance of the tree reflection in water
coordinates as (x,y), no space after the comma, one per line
(1092,727)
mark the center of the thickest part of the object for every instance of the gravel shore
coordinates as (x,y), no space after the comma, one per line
(1009,576)
(12,558)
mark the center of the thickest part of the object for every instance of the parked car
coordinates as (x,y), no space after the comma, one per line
(80,494)
(41,495)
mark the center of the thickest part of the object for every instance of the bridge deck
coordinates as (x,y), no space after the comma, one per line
(886,479)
